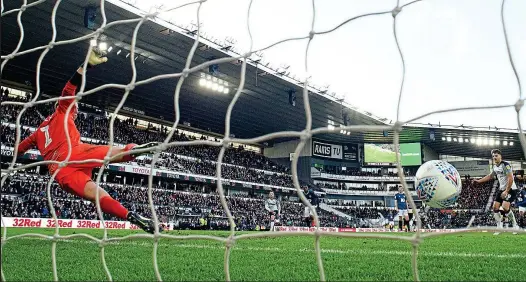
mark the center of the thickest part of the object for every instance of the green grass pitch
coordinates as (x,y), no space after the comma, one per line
(452,257)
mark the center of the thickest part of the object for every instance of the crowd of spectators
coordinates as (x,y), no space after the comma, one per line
(239,164)
(474,196)
(25,195)
(192,166)
(433,218)
(126,131)
(457,219)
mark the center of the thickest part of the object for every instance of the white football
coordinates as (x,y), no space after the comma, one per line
(438,184)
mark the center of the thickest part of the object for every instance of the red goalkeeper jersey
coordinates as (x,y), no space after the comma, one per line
(50,136)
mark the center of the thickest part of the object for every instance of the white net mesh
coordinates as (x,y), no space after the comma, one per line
(304,135)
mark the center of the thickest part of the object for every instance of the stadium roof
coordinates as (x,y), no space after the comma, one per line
(263,108)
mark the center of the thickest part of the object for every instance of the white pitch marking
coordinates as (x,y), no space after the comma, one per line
(268,249)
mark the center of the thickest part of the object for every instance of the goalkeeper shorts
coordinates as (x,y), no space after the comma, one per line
(73,177)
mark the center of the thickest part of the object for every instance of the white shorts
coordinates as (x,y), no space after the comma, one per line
(391,222)
(307,212)
(522,209)
(403,213)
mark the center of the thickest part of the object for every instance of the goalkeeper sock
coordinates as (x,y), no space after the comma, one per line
(109,205)
(272,226)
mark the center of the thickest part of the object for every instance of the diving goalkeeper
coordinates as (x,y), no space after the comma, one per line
(50,139)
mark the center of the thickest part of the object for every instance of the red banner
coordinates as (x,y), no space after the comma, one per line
(65,223)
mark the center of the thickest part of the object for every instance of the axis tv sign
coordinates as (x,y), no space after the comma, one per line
(326,150)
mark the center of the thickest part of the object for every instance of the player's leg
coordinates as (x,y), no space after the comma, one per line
(99,152)
(306,216)
(311,216)
(78,182)
(400,221)
(508,214)
(272,219)
(111,206)
(496,213)
(522,218)
(406,221)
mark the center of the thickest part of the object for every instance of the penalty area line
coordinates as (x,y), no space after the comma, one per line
(269,249)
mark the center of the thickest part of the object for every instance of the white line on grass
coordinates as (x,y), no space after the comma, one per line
(268,249)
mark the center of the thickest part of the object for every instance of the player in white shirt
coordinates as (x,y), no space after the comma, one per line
(273,207)
(507,189)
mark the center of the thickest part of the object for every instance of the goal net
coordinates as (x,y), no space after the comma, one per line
(396,11)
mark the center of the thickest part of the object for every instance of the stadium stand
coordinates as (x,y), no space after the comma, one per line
(24,195)
(191,205)
(126,131)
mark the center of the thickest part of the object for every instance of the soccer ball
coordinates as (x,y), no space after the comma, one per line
(438,184)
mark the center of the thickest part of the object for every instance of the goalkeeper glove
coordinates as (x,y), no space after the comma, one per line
(96,57)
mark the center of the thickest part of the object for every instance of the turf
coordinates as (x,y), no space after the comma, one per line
(453,257)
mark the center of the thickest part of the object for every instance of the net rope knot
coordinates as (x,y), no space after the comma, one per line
(163,147)
(317,231)
(29,104)
(398,126)
(226,141)
(51,45)
(151,15)
(417,240)
(305,134)
(396,11)
(129,87)
(519,105)
(230,241)
(185,72)
(311,34)
(98,32)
